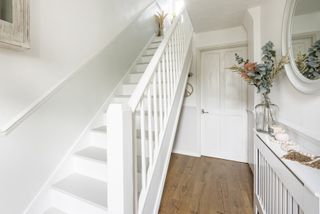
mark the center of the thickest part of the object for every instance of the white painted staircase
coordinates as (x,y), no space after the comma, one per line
(84,190)
(119,166)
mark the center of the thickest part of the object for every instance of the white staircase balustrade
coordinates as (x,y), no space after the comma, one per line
(81,185)
(136,128)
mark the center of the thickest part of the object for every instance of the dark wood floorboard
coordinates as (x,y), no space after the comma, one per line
(207,186)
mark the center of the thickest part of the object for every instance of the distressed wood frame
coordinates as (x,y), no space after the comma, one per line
(16,34)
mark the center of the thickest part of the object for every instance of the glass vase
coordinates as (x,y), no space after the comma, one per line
(266,115)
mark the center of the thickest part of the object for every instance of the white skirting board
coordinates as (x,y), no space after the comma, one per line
(180,152)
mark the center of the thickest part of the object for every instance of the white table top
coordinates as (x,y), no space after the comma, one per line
(309,176)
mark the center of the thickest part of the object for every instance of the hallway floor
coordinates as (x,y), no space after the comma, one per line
(207,186)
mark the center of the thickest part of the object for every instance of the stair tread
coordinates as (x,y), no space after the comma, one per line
(134,73)
(53,210)
(128,96)
(158,38)
(123,96)
(147,55)
(89,189)
(152,48)
(137,72)
(102,129)
(119,101)
(94,153)
(130,83)
(142,63)
(156,41)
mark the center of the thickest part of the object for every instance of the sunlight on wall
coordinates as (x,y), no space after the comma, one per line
(178,6)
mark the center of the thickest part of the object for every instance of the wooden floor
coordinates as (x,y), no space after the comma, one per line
(207,186)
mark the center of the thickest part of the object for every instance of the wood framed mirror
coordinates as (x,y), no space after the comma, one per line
(301,41)
(14,24)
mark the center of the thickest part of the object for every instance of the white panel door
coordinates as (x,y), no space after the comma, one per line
(223,104)
(301,45)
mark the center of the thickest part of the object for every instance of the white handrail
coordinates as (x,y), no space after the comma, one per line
(146,78)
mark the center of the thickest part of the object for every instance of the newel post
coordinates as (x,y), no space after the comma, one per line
(120,159)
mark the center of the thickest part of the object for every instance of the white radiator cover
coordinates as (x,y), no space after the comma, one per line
(282,186)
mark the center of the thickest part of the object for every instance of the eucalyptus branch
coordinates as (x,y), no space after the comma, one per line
(263,74)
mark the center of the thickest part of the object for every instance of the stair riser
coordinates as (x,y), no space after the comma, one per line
(150,51)
(145,59)
(141,67)
(120,100)
(73,205)
(141,71)
(138,125)
(158,39)
(51,211)
(169,60)
(127,89)
(154,45)
(100,121)
(139,151)
(98,139)
(138,134)
(90,168)
(140,167)
(134,78)
(138,121)
(146,124)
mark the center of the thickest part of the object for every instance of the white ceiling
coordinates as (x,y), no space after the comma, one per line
(208,15)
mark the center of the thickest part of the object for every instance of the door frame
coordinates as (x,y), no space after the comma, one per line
(197,55)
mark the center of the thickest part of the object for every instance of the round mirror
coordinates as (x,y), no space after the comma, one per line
(301,41)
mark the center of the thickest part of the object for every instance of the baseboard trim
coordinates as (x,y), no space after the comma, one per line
(192,154)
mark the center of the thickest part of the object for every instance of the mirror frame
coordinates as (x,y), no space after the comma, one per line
(16,34)
(300,82)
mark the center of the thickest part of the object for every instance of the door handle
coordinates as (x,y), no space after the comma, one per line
(204,112)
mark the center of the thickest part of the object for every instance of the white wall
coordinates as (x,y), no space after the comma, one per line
(64,35)
(188,139)
(302,23)
(252,23)
(220,37)
(31,152)
(296,109)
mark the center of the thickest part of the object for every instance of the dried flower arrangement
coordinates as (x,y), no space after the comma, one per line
(297,156)
(160,17)
(281,138)
(314,164)
(261,75)
(302,158)
(309,63)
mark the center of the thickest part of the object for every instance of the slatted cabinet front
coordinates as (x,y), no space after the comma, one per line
(277,189)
